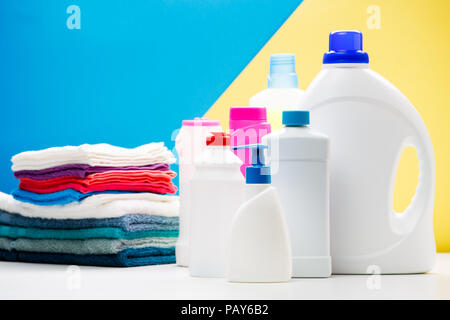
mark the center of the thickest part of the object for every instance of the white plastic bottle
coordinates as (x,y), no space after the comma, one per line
(190,144)
(259,243)
(282,91)
(217,191)
(299,162)
(369,123)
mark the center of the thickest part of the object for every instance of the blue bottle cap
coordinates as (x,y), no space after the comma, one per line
(293,118)
(345,47)
(257,172)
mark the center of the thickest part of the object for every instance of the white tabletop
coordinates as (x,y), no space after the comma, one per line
(44,281)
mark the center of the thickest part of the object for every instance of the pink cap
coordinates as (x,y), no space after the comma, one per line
(203,122)
(248,113)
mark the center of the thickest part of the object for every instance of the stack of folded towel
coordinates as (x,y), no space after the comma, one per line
(92,205)
(65,174)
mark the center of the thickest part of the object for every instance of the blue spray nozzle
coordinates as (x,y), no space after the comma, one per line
(258,158)
(258,172)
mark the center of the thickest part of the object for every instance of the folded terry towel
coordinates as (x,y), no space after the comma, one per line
(130,222)
(80,170)
(84,247)
(87,233)
(97,206)
(125,258)
(61,197)
(101,155)
(146,180)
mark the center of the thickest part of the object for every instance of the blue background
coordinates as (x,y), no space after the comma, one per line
(129,76)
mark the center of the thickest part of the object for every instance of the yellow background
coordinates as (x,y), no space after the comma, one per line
(411,49)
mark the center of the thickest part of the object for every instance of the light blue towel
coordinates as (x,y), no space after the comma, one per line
(61,197)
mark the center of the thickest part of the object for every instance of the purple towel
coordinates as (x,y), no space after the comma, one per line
(80,170)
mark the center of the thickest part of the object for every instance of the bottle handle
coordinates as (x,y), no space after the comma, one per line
(406,221)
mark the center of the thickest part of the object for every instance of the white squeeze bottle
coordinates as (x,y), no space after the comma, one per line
(369,123)
(259,242)
(282,91)
(217,191)
(300,173)
(190,144)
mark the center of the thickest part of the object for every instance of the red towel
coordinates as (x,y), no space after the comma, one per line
(142,180)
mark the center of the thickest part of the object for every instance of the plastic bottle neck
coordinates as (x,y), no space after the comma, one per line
(218,152)
(252,190)
(346,65)
(218,156)
(282,72)
(282,82)
(296,127)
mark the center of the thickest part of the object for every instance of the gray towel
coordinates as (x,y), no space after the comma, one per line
(84,247)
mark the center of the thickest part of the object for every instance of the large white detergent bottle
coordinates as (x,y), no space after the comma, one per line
(190,144)
(369,123)
(217,191)
(282,91)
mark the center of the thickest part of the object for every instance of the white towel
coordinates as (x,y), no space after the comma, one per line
(97,206)
(102,154)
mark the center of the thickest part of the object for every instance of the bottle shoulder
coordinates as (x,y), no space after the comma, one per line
(350,83)
(298,133)
(277,96)
(338,86)
(214,173)
(218,157)
(291,144)
(262,197)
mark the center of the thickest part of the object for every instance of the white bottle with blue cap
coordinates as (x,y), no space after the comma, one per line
(299,162)
(282,91)
(259,243)
(370,122)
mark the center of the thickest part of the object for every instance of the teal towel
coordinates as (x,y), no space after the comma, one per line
(88,233)
(83,247)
